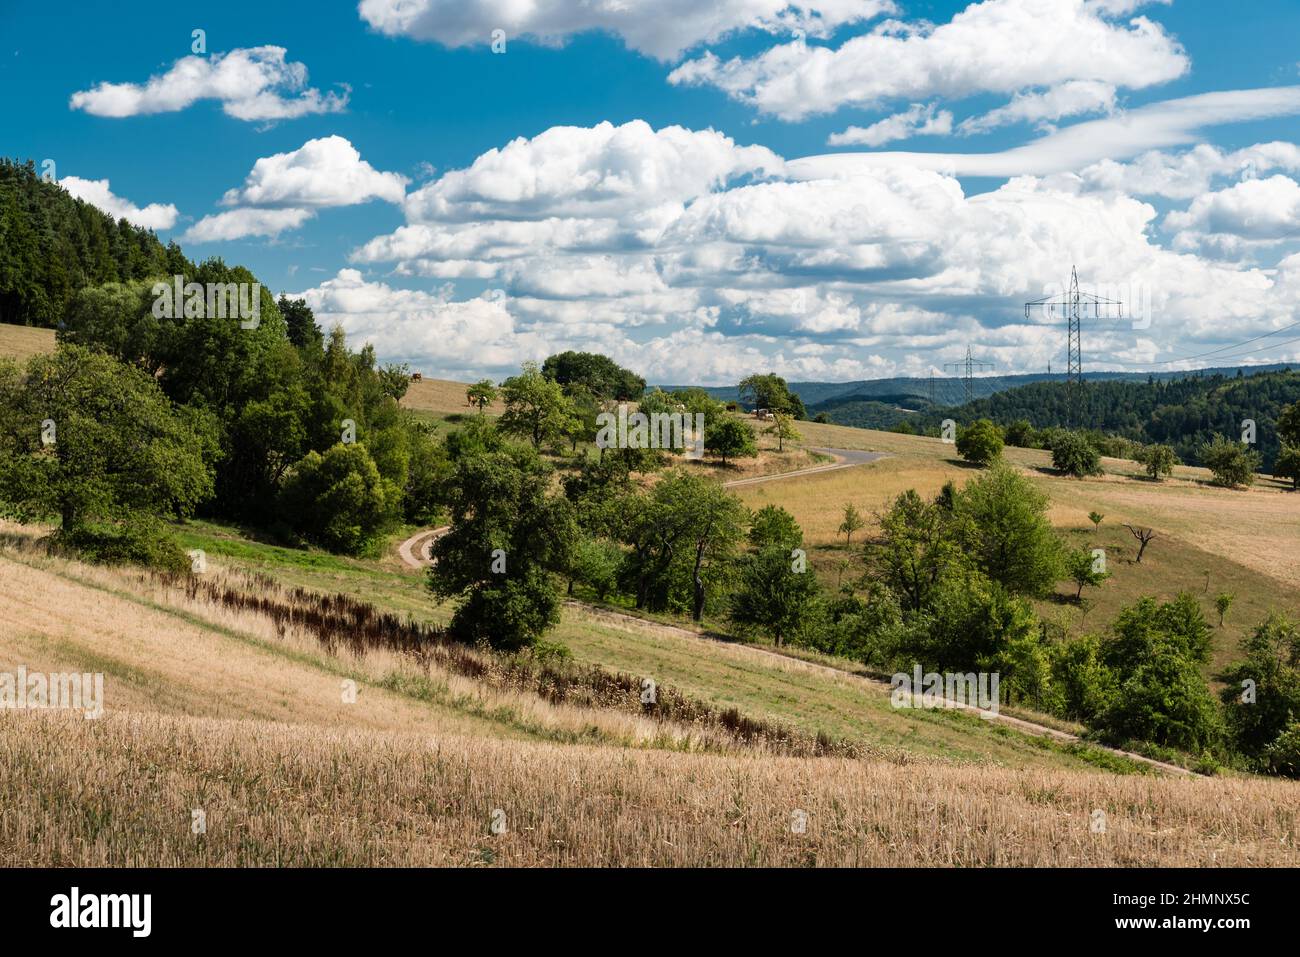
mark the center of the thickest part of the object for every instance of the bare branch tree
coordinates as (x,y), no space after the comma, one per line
(1143,535)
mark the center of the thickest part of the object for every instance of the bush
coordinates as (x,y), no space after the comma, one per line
(1288,465)
(1021,434)
(1158,460)
(1272,665)
(1282,757)
(972,623)
(1075,455)
(595,563)
(1156,652)
(1083,685)
(981,443)
(1232,463)
(338,500)
(137,541)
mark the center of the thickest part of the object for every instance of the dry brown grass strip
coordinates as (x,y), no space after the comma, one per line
(120,792)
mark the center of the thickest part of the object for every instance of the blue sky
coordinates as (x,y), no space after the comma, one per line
(976,152)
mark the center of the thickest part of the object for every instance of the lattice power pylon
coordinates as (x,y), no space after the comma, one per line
(1072,306)
(968,367)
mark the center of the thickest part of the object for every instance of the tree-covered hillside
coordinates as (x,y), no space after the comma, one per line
(1183,413)
(52,245)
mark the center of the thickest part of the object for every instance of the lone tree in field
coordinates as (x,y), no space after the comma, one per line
(1074,455)
(783,428)
(771,392)
(84,437)
(1232,463)
(853,521)
(981,443)
(1158,460)
(1082,568)
(509,534)
(1096,519)
(730,439)
(1222,602)
(1288,465)
(482,394)
(1144,536)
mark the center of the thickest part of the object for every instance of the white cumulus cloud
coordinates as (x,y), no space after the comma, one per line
(997,46)
(97,193)
(322,172)
(918,120)
(1227,222)
(659,28)
(246,222)
(257,83)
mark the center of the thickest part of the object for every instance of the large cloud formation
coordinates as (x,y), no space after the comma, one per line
(659,28)
(998,46)
(691,257)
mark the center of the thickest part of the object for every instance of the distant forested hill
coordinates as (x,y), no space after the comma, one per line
(1182,413)
(52,245)
(876,403)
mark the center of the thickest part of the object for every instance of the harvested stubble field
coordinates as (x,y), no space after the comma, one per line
(122,791)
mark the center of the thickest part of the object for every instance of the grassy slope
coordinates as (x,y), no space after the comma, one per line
(724,675)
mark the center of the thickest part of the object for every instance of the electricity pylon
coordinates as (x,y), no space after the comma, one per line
(969,365)
(1072,306)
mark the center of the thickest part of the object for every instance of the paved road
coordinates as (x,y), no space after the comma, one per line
(844,459)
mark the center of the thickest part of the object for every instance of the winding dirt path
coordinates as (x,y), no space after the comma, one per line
(414,552)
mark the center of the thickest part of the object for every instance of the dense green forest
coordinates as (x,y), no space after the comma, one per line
(53,245)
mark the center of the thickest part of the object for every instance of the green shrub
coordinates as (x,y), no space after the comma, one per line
(1075,455)
(1158,460)
(137,541)
(338,500)
(1282,757)
(980,443)
(1232,463)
